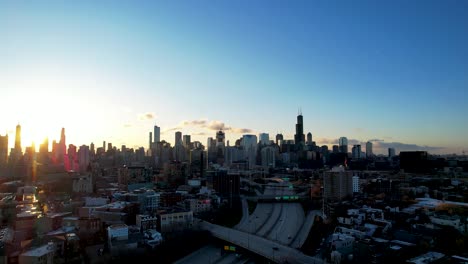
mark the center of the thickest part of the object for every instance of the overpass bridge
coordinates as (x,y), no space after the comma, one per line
(278,198)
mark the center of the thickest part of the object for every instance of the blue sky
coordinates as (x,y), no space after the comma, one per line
(388,70)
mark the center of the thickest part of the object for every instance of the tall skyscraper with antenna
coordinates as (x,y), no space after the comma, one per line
(299,137)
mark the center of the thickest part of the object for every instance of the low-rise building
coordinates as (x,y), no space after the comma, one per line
(40,255)
(83,184)
(428,257)
(453,221)
(198,205)
(145,222)
(175,220)
(117,232)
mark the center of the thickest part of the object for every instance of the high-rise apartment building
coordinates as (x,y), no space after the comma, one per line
(356,187)
(337,184)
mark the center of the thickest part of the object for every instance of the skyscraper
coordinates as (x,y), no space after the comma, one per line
(369,152)
(309,138)
(299,137)
(83,158)
(62,142)
(268,156)
(178,138)
(249,143)
(18,139)
(3,149)
(264,138)
(156,134)
(279,137)
(356,151)
(210,143)
(150,140)
(186,140)
(220,137)
(343,143)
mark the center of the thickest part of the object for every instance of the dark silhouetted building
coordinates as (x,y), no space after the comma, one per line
(299,137)
(309,138)
(279,137)
(18,138)
(225,184)
(178,138)
(3,150)
(414,161)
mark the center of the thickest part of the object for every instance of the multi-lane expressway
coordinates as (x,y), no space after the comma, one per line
(273,230)
(272,250)
(280,222)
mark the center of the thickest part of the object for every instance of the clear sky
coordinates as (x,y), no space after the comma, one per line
(393,71)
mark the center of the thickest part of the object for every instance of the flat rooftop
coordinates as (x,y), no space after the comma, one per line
(40,251)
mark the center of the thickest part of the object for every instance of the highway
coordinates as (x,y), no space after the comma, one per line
(273,230)
(274,251)
(210,255)
(280,222)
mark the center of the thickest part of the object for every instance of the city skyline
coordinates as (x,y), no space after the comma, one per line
(109,72)
(378,146)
